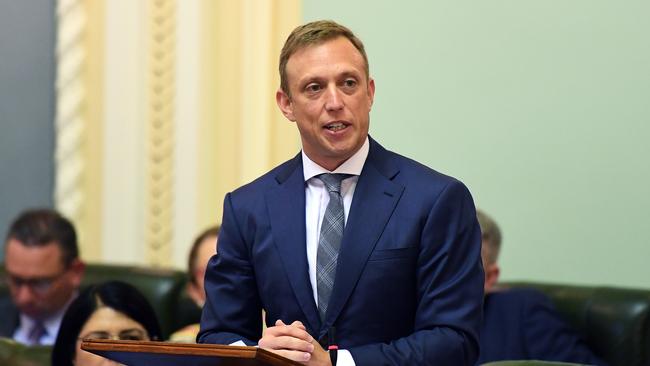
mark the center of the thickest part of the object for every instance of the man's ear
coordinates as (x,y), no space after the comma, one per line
(371,90)
(77,269)
(491,276)
(285,105)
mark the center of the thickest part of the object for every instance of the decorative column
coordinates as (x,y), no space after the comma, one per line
(160,131)
(70,123)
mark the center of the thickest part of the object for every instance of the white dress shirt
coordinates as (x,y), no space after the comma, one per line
(50,324)
(316,200)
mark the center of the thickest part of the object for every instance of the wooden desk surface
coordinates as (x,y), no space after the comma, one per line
(140,353)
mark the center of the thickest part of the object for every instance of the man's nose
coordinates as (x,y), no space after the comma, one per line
(333,101)
(24,294)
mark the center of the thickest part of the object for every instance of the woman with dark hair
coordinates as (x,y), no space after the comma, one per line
(112,310)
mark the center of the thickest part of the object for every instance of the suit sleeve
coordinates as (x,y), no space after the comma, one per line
(233,310)
(450,281)
(548,337)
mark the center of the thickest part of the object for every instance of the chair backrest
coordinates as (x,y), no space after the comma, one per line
(614,321)
(162,287)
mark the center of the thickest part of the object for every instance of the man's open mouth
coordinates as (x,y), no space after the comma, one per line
(336,126)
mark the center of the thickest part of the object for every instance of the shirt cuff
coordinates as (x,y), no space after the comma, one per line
(344,358)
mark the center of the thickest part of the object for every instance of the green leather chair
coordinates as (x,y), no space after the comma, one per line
(614,321)
(162,287)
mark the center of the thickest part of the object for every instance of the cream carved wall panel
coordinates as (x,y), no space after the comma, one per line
(160,130)
(163,106)
(70,120)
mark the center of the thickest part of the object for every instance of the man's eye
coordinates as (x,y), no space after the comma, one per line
(313,88)
(350,83)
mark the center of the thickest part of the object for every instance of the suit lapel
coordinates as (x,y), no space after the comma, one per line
(11,317)
(375,198)
(286,205)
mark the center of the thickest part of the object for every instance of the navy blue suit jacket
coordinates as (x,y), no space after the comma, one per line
(409,282)
(10,317)
(522,324)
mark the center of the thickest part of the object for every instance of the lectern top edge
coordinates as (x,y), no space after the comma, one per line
(142,352)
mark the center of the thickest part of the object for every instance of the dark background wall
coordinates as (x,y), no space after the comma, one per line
(27,74)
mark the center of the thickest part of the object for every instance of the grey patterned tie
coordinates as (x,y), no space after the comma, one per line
(329,242)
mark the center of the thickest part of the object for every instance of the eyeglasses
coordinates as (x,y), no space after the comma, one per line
(40,285)
(125,335)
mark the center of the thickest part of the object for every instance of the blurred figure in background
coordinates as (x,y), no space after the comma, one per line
(112,310)
(522,324)
(490,249)
(43,275)
(203,248)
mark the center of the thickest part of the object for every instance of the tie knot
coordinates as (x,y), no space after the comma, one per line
(36,333)
(333,181)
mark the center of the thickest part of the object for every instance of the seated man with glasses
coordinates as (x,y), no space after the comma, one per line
(112,310)
(43,273)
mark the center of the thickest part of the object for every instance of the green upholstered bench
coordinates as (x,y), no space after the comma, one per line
(614,321)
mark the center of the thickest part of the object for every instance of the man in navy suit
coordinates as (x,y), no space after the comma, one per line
(408,283)
(43,272)
(522,324)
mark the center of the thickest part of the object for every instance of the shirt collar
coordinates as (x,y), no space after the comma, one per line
(52,323)
(352,166)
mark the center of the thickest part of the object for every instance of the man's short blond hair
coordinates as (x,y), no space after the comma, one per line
(490,235)
(315,33)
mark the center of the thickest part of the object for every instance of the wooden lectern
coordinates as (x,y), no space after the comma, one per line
(144,353)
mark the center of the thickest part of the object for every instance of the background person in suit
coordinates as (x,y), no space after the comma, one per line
(43,273)
(522,324)
(111,310)
(390,259)
(203,248)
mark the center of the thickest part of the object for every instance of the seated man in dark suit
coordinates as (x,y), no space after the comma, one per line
(522,324)
(43,273)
